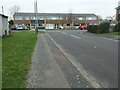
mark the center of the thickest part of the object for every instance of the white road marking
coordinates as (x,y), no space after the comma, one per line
(108,39)
(90,78)
(75,36)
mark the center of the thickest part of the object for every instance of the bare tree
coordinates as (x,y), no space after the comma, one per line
(14,9)
(99,19)
(111,18)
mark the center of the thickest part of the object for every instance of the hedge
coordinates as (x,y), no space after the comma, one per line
(93,28)
(117,27)
(104,27)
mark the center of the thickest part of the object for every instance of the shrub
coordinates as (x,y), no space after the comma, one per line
(93,28)
(104,26)
(117,27)
(90,28)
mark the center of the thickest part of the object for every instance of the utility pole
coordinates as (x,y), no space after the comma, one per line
(2,10)
(36,19)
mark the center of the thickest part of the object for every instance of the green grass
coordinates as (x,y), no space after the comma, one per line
(115,33)
(16,58)
(0,63)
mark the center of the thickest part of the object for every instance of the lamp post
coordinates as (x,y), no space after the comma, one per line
(36,12)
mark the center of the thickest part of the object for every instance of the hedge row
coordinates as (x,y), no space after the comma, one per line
(93,28)
(117,27)
(101,28)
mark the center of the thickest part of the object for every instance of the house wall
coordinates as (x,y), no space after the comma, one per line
(22,22)
(4,27)
(54,20)
(1,25)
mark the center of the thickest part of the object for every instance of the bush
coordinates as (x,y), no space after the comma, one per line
(90,28)
(117,27)
(93,28)
(104,26)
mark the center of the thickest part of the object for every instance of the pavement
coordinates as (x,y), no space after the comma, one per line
(74,59)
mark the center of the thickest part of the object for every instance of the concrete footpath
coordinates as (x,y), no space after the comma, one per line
(45,72)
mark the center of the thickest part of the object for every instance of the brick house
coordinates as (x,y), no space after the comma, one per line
(55,20)
(118,12)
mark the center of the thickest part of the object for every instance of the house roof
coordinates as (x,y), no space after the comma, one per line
(117,7)
(3,16)
(53,14)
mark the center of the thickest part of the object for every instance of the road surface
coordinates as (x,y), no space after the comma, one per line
(74,59)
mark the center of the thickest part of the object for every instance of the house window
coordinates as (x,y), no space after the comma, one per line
(94,18)
(27,18)
(18,18)
(80,18)
(32,18)
(90,18)
(40,18)
(61,18)
(49,18)
(52,18)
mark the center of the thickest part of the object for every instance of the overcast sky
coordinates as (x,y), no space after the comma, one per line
(99,7)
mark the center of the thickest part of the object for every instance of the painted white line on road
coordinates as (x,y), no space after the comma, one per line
(64,33)
(75,36)
(108,39)
(90,78)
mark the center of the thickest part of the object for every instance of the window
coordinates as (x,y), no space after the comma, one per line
(32,18)
(90,18)
(52,18)
(61,18)
(18,18)
(40,18)
(94,18)
(27,18)
(80,18)
(49,18)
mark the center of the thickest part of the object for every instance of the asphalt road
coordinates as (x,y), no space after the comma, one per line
(98,55)
(74,59)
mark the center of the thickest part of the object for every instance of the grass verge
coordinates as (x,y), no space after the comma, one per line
(16,58)
(115,33)
(0,63)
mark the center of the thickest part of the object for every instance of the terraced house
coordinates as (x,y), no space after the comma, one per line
(55,20)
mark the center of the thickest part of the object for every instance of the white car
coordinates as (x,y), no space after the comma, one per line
(20,27)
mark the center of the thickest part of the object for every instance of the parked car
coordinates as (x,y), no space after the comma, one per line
(83,27)
(20,27)
(61,27)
